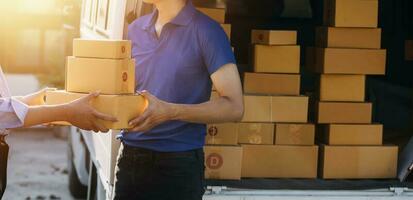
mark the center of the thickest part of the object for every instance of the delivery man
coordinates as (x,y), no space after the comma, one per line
(179,54)
(29,111)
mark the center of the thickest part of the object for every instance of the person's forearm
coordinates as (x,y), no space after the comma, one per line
(215,111)
(45,114)
(28,100)
(34,99)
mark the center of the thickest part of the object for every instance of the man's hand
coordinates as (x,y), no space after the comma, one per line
(37,98)
(156,113)
(84,116)
(229,107)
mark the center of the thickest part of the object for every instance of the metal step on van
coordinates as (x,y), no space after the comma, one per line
(92,156)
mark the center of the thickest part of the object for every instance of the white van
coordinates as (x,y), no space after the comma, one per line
(92,157)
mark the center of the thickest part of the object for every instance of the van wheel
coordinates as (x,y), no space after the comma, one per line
(76,188)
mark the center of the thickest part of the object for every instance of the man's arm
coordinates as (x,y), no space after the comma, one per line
(229,107)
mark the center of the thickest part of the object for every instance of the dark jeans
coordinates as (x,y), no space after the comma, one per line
(4,150)
(144,174)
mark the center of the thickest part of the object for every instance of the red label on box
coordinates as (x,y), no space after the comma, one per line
(213,131)
(125,76)
(214,161)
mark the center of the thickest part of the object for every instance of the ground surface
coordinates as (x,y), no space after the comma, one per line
(37,166)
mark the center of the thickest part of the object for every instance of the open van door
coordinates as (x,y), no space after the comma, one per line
(92,156)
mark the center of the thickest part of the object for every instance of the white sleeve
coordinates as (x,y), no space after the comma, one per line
(12,113)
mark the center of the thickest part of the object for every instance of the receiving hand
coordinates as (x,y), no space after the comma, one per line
(84,116)
(37,98)
(156,113)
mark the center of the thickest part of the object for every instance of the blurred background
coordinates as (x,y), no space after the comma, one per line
(35,37)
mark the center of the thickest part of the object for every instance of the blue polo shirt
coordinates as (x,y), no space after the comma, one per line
(176,68)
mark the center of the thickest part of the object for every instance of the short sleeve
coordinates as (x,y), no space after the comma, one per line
(215,46)
(12,113)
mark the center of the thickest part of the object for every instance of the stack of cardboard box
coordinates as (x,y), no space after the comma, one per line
(222,153)
(347,50)
(275,139)
(272,94)
(106,67)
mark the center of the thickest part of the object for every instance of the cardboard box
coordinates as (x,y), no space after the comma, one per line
(217,14)
(360,38)
(275,109)
(269,161)
(224,134)
(255,133)
(244,133)
(272,84)
(274,37)
(227,29)
(337,87)
(109,76)
(112,49)
(353,134)
(358,162)
(294,134)
(351,13)
(277,59)
(257,109)
(348,61)
(343,113)
(289,109)
(223,162)
(123,107)
(409,49)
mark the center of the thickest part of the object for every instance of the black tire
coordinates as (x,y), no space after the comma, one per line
(76,188)
(93,183)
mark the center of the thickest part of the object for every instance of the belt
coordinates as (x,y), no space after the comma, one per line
(137,150)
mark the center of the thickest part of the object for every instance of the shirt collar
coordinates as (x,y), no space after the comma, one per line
(183,18)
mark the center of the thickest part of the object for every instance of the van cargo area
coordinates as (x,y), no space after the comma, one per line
(383,97)
(389,95)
